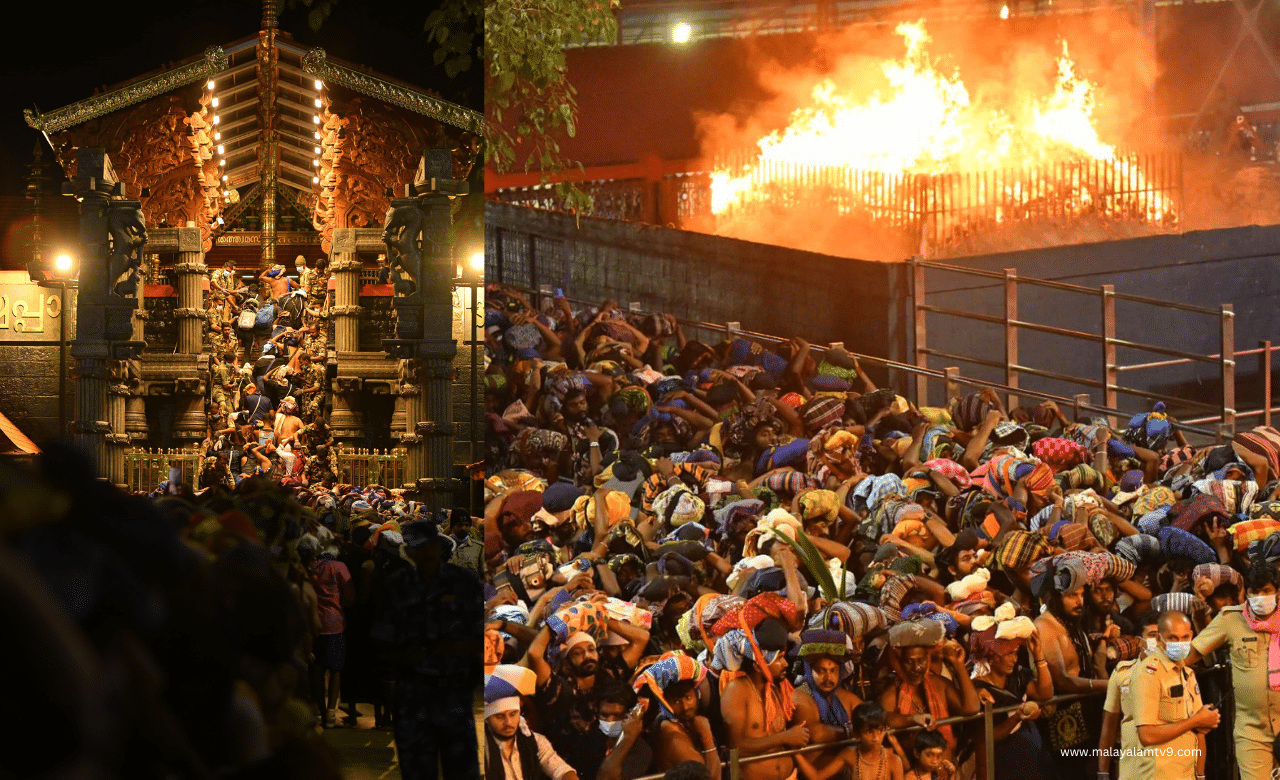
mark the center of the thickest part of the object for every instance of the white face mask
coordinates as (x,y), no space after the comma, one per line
(1177,651)
(1262,605)
(1153,644)
(611,728)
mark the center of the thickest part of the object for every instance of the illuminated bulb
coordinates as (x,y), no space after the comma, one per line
(215,102)
(63,263)
(318,103)
(219,148)
(317,150)
(477,261)
(316,163)
(210,84)
(315,179)
(1004,12)
(319,84)
(681,32)
(224,178)
(222,162)
(216,119)
(317,135)
(217,136)
(315,118)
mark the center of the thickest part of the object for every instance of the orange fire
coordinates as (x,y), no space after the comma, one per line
(926,123)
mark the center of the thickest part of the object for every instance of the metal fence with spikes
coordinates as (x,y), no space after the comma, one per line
(371,467)
(147,468)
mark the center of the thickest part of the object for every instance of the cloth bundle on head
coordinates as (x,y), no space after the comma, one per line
(703,616)
(1200,510)
(504,687)
(820,412)
(670,668)
(1072,536)
(1246,532)
(1265,552)
(617,507)
(1018,550)
(728,513)
(1083,476)
(894,592)
(1004,472)
(678,505)
(1150,430)
(917,633)
(578,621)
(1138,548)
(1151,497)
(969,585)
(994,636)
(970,410)
(819,505)
(836,645)
(1235,495)
(1176,457)
(776,524)
(853,618)
(1066,574)
(873,490)
(833,452)
(1265,509)
(1151,522)
(505,482)
(743,569)
(1216,575)
(951,470)
(1189,604)
(928,611)
(1177,543)
(790,454)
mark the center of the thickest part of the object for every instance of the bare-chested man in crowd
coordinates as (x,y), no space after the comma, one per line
(752,703)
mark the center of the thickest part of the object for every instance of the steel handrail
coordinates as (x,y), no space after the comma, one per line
(920,371)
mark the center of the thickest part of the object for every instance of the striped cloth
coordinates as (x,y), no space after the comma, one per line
(1246,532)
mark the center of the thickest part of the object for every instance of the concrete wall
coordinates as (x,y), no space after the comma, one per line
(700,277)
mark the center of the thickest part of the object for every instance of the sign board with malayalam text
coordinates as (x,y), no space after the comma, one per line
(30,313)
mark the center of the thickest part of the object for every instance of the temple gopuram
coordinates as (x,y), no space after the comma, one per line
(253,154)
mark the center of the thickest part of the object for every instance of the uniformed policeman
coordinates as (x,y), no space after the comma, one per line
(1169,718)
(1257,714)
(1117,712)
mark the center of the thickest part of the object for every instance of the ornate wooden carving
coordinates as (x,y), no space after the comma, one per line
(159,146)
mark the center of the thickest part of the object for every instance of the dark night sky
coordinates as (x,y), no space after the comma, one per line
(89,45)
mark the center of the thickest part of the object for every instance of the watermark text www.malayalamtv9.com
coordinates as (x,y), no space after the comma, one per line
(1152,752)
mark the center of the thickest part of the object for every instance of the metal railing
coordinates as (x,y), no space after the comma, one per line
(372,467)
(985,749)
(950,377)
(145,469)
(1108,366)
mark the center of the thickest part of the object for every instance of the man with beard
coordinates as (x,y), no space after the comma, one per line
(1102,611)
(679,734)
(566,698)
(822,704)
(512,750)
(1061,583)
(920,697)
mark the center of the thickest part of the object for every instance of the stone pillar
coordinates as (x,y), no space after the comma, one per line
(189,422)
(104,317)
(190,270)
(424,321)
(345,266)
(346,420)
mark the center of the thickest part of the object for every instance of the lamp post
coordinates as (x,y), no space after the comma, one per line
(469,275)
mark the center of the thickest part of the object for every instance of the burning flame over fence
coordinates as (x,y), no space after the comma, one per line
(923,155)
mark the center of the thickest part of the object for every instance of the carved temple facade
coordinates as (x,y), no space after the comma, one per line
(259,151)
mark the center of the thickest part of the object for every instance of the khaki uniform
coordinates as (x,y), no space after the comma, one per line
(1257,716)
(221,344)
(220,378)
(1120,701)
(312,402)
(1163,692)
(220,302)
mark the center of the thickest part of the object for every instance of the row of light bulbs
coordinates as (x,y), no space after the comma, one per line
(217,135)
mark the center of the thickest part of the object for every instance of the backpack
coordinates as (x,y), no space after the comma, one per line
(248,318)
(294,306)
(265,317)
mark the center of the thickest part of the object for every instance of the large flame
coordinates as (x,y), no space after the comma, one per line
(925,122)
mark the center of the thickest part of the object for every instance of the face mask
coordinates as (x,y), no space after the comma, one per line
(1177,651)
(1262,605)
(1153,644)
(611,728)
